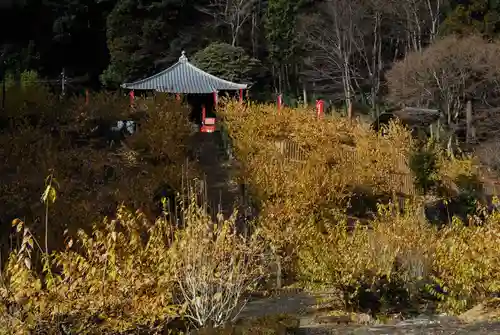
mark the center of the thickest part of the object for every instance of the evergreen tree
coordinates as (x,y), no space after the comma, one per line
(282,38)
(472,16)
(228,62)
(138,34)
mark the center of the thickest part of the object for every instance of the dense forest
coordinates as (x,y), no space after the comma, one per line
(338,49)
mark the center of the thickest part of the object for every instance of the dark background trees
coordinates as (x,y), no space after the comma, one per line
(335,49)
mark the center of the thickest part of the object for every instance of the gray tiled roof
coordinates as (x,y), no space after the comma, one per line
(184,77)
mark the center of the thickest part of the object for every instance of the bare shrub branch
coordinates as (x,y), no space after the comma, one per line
(231,13)
(216,267)
(446,74)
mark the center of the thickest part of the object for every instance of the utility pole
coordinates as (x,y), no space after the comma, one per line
(63,83)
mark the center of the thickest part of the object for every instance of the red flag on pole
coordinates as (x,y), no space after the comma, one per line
(132,97)
(320,108)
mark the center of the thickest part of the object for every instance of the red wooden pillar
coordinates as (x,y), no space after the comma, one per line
(320,108)
(87,97)
(241,95)
(280,101)
(216,98)
(203,114)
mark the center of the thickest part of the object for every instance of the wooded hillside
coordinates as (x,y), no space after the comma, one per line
(338,50)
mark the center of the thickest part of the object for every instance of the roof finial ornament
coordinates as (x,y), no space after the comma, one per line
(183,57)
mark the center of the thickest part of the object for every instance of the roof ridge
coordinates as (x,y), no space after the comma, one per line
(184,63)
(211,75)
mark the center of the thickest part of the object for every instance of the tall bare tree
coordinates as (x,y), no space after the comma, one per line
(350,42)
(417,20)
(233,14)
(446,75)
(332,37)
(368,42)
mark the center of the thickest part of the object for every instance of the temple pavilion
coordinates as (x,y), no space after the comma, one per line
(183,77)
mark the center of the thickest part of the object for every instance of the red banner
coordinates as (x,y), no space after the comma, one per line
(320,108)
(132,97)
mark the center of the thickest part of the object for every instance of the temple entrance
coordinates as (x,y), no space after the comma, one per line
(196,103)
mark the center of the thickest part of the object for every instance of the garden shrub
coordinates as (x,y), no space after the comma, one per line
(465,261)
(111,280)
(337,158)
(31,101)
(395,247)
(424,165)
(215,267)
(94,178)
(130,273)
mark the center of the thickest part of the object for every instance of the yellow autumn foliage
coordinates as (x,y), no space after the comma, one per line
(113,277)
(337,208)
(307,205)
(63,141)
(130,273)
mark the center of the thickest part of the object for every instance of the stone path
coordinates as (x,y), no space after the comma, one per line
(223,193)
(303,305)
(409,327)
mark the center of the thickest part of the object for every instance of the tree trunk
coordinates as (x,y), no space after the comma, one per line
(4,89)
(254,46)
(347,88)
(468,116)
(287,79)
(304,92)
(278,272)
(280,79)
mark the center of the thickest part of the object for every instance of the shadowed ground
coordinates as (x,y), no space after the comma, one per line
(223,193)
(305,306)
